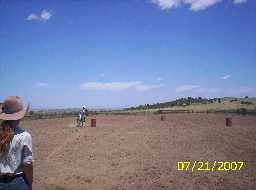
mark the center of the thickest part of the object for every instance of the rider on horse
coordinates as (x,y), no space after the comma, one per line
(84,113)
(81,117)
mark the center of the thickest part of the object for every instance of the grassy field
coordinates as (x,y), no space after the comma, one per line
(226,105)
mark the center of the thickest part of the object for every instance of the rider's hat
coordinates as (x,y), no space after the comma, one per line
(12,109)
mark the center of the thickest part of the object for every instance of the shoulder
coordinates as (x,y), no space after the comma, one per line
(26,139)
(21,138)
(26,135)
(22,134)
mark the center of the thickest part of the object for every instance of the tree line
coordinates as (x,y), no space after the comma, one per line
(178,102)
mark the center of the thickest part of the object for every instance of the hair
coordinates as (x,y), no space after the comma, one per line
(6,135)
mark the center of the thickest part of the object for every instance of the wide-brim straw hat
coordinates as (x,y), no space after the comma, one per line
(12,109)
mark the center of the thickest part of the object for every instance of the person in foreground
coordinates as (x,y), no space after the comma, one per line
(16,159)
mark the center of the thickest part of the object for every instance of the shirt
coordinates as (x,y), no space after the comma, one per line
(19,152)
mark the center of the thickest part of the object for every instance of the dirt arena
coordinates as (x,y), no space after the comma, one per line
(141,152)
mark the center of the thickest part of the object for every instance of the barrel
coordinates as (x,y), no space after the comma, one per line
(228,121)
(93,122)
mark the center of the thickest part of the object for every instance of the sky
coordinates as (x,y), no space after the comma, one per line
(112,54)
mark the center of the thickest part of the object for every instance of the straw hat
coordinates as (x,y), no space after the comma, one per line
(12,109)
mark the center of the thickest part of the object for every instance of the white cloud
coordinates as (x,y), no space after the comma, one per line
(159,78)
(195,5)
(109,86)
(44,16)
(145,87)
(186,87)
(167,4)
(33,17)
(239,1)
(118,86)
(42,84)
(225,77)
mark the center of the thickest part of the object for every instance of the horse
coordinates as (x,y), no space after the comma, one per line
(81,118)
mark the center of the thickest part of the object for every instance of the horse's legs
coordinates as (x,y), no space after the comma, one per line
(82,119)
(78,122)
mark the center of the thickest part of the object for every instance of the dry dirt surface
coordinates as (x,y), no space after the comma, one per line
(141,152)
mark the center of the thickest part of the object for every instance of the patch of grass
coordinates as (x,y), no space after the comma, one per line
(235,105)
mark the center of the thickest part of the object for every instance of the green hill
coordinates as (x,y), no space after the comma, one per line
(198,104)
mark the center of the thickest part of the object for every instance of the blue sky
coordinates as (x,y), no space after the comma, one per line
(122,53)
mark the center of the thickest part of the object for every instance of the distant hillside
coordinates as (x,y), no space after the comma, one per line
(178,102)
(199,104)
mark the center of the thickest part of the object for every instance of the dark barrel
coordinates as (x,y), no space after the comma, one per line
(228,121)
(93,122)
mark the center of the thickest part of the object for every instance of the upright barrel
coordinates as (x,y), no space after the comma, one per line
(93,122)
(228,121)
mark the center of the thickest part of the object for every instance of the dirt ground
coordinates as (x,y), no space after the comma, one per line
(141,152)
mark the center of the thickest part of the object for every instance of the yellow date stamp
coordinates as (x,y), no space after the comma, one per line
(210,166)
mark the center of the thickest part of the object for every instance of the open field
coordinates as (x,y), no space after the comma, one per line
(141,152)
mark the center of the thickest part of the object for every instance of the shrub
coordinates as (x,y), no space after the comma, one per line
(246,102)
(242,111)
